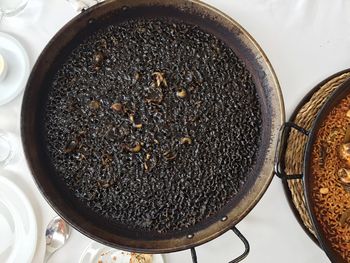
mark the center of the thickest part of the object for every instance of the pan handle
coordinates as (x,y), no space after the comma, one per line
(81,5)
(236,260)
(279,169)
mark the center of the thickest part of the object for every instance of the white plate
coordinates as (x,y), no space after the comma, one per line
(98,253)
(17,68)
(18,226)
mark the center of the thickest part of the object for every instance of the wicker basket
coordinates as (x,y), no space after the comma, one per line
(304,116)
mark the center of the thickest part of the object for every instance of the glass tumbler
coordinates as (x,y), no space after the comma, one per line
(8,148)
(11,7)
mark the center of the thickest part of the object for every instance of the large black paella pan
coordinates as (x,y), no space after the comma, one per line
(151,125)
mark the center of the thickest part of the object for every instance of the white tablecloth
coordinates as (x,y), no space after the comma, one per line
(305,40)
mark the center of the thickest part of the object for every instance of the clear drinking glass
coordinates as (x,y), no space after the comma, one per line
(8,148)
(11,7)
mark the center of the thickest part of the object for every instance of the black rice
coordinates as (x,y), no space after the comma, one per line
(154,124)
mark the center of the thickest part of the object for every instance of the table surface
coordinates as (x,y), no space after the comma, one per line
(306,41)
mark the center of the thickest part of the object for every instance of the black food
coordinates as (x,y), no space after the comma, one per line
(154,124)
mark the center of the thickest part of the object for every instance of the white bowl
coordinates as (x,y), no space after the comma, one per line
(96,252)
(17,68)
